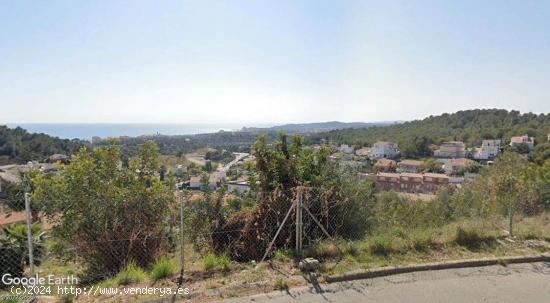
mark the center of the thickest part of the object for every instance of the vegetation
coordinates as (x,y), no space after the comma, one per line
(19,146)
(281,284)
(234,141)
(130,274)
(415,138)
(119,220)
(162,268)
(220,262)
(111,216)
(14,253)
(279,169)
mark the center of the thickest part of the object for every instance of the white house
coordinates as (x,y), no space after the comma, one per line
(383,149)
(346,149)
(215,179)
(488,150)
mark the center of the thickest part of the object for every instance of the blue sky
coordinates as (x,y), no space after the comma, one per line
(269,61)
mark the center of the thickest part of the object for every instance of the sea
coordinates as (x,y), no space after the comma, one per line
(85,131)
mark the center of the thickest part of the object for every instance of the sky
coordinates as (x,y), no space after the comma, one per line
(254,61)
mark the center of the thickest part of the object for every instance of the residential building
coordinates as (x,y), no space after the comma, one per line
(58,158)
(452,149)
(96,140)
(215,179)
(433,182)
(409,166)
(488,150)
(455,166)
(238,186)
(363,152)
(346,149)
(385,165)
(427,183)
(383,149)
(12,218)
(525,139)
(195,182)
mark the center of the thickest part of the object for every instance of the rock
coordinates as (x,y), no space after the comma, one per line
(536,244)
(309,264)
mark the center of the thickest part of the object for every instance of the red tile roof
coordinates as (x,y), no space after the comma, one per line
(13,217)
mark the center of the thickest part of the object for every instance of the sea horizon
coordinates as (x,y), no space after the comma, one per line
(85,131)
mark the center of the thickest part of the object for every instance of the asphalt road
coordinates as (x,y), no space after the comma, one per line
(515,283)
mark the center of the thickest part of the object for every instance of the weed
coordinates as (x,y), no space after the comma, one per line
(281,255)
(281,284)
(212,261)
(131,274)
(502,262)
(381,245)
(163,268)
(210,285)
(422,240)
(473,238)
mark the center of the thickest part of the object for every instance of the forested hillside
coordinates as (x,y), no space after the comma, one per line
(19,146)
(470,126)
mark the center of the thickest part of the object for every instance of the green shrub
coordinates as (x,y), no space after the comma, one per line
(163,268)
(422,240)
(282,254)
(381,245)
(473,237)
(131,274)
(212,261)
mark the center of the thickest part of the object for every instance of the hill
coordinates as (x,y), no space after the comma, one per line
(19,146)
(471,126)
(316,126)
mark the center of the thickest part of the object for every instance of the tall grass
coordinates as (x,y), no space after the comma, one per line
(131,274)
(220,262)
(473,237)
(163,268)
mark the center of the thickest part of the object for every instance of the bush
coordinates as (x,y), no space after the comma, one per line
(131,274)
(381,245)
(324,250)
(163,268)
(212,261)
(131,203)
(473,237)
(422,240)
(282,254)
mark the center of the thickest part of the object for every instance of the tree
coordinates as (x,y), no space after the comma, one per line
(208,166)
(340,205)
(506,184)
(111,216)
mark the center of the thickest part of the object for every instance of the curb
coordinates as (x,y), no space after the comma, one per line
(393,270)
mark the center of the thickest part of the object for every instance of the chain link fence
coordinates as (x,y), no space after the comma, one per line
(210,235)
(205,234)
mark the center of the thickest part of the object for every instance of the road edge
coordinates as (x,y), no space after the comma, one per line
(394,270)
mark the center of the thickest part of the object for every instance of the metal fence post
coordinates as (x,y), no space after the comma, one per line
(182,259)
(299,208)
(180,200)
(29,232)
